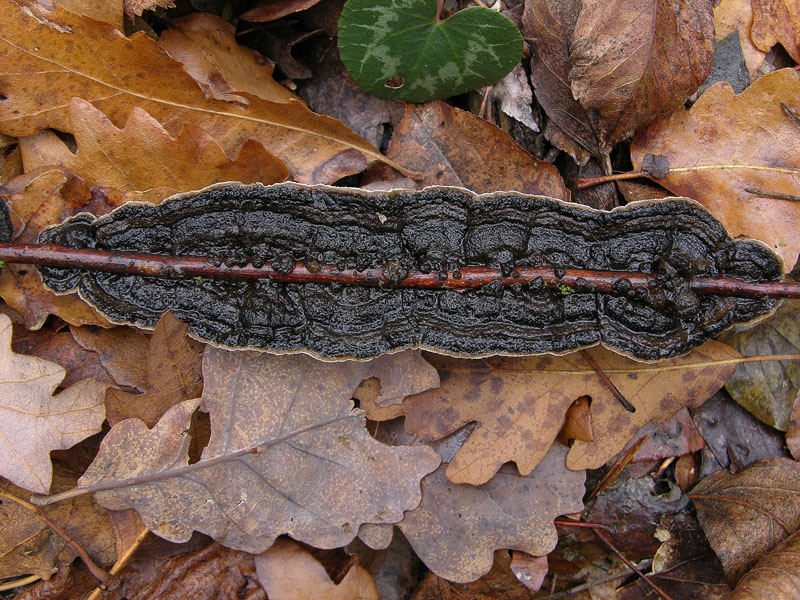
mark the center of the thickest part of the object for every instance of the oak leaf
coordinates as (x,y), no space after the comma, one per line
(519,404)
(457,527)
(121,350)
(287,454)
(34,421)
(746,515)
(174,374)
(56,56)
(726,144)
(777,22)
(287,572)
(142,156)
(733,15)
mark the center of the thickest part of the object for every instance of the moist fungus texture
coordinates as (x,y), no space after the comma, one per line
(429,230)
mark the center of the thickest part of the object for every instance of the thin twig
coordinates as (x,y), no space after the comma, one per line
(180,471)
(587,182)
(22,581)
(630,565)
(617,468)
(608,383)
(768,194)
(568,281)
(98,572)
(586,524)
(122,561)
(791,114)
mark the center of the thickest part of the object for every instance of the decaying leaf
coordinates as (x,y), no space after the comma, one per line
(142,157)
(777,22)
(287,572)
(206,45)
(121,350)
(174,364)
(29,546)
(454,147)
(744,516)
(33,421)
(395,376)
(519,404)
(56,56)
(315,472)
(731,15)
(727,144)
(456,528)
(774,575)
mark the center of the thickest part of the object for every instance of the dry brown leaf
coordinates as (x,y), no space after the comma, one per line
(40,199)
(34,421)
(453,147)
(726,144)
(600,69)
(519,404)
(777,22)
(457,528)
(121,350)
(730,15)
(137,7)
(316,475)
(143,157)
(395,376)
(29,546)
(174,374)
(271,10)
(287,572)
(206,46)
(58,55)
(108,11)
(744,516)
(775,575)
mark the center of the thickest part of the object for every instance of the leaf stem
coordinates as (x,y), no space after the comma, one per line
(179,471)
(158,265)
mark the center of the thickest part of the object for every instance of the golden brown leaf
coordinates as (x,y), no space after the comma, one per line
(730,15)
(518,404)
(453,147)
(744,516)
(206,46)
(726,144)
(287,572)
(775,575)
(777,22)
(174,374)
(109,11)
(58,55)
(143,157)
(287,454)
(33,421)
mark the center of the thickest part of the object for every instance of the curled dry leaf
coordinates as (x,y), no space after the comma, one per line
(34,421)
(774,575)
(454,147)
(174,374)
(41,198)
(287,455)
(726,144)
(287,572)
(143,157)
(744,516)
(456,528)
(519,404)
(60,55)
(206,45)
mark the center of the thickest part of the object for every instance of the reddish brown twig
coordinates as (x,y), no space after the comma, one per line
(587,182)
(617,468)
(599,533)
(585,524)
(608,383)
(568,281)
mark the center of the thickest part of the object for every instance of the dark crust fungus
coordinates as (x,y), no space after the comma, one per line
(429,230)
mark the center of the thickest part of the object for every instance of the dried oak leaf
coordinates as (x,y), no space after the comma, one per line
(40,199)
(454,147)
(34,421)
(58,55)
(272,10)
(744,516)
(726,144)
(732,15)
(206,46)
(457,527)
(287,455)
(174,374)
(395,376)
(28,546)
(287,572)
(774,575)
(143,157)
(518,404)
(121,350)
(777,22)
(600,69)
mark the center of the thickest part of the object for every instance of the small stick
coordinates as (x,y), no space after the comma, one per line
(587,182)
(608,383)
(630,565)
(617,468)
(122,561)
(768,194)
(586,524)
(99,573)
(791,114)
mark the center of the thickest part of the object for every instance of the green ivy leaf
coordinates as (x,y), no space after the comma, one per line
(395,49)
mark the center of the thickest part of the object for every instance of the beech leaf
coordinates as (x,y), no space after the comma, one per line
(287,455)
(400,50)
(48,58)
(726,144)
(33,421)
(774,575)
(519,404)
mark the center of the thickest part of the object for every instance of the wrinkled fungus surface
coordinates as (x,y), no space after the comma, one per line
(429,230)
